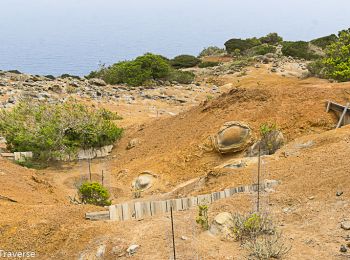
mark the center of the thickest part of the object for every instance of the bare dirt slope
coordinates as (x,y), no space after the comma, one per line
(311,168)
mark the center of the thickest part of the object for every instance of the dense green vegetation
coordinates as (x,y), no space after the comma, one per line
(243,45)
(145,68)
(94,193)
(261,49)
(207,64)
(323,42)
(299,49)
(184,61)
(54,130)
(212,51)
(336,63)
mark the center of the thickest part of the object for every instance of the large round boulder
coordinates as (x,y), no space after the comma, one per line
(144,181)
(232,137)
(222,225)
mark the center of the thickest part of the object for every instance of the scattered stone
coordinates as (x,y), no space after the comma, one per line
(238,163)
(184,238)
(101,251)
(339,193)
(132,143)
(343,249)
(345,225)
(232,137)
(97,82)
(132,249)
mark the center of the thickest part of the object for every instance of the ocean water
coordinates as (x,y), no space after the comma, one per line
(75,36)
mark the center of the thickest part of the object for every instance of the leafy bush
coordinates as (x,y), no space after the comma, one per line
(323,42)
(250,226)
(268,246)
(242,45)
(53,130)
(207,64)
(183,77)
(135,72)
(202,218)
(212,51)
(238,64)
(271,38)
(337,60)
(184,61)
(299,49)
(316,68)
(261,49)
(267,128)
(94,193)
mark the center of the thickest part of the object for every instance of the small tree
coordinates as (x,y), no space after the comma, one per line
(94,193)
(271,38)
(337,61)
(184,61)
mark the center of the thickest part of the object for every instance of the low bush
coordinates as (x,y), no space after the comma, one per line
(261,49)
(54,130)
(135,72)
(233,45)
(184,61)
(212,51)
(271,38)
(249,226)
(208,64)
(240,63)
(299,49)
(268,246)
(323,42)
(94,193)
(183,77)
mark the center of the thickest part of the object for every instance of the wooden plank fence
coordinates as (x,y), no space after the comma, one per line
(343,112)
(142,209)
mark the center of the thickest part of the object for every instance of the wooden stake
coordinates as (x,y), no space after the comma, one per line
(342,115)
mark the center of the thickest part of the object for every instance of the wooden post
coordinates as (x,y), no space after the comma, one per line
(102,177)
(259,165)
(328,106)
(89,160)
(172,230)
(342,115)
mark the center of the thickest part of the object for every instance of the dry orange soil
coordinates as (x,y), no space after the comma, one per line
(311,168)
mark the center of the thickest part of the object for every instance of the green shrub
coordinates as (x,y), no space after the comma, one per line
(271,38)
(53,130)
(261,49)
(184,61)
(316,68)
(212,51)
(323,42)
(202,218)
(135,72)
(249,226)
(94,193)
(238,64)
(337,60)
(183,77)
(299,49)
(268,247)
(207,64)
(242,45)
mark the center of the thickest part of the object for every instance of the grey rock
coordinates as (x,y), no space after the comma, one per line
(343,249)
(345,225)
(97,82)
(132,249)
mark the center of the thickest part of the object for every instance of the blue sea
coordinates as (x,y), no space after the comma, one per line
(75,36)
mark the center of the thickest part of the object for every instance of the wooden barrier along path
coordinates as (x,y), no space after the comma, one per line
(142,209)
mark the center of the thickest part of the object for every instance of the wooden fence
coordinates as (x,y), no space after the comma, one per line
(142,209)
